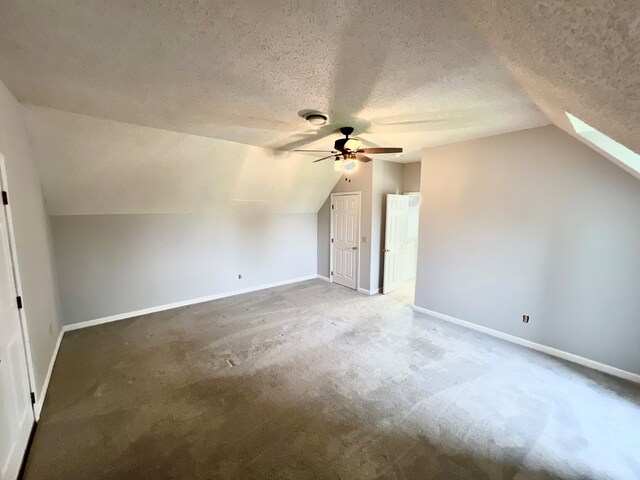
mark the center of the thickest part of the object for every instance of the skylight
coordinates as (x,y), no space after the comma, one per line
(605,143)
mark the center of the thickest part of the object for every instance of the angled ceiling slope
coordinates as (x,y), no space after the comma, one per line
(577,57)
(412,73)
(92,166)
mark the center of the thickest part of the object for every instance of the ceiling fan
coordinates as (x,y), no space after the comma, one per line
(350,149)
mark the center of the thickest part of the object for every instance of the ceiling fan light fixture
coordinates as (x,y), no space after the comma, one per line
(316,119)
(350,149)
(345,165)
(350,165)
(352,144)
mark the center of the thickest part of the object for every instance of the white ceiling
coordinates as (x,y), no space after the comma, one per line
(581,57)
(92,166)
(409,73)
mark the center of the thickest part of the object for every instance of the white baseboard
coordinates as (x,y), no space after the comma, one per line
(184,303)
(617,372)
(37,407)
(368,292)
(361,290)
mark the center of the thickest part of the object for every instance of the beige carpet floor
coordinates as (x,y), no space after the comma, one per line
(314,381)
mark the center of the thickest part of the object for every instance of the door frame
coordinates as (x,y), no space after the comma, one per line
(359,194)
(17,281)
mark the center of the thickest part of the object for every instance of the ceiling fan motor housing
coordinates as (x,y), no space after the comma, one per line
(339,145)
(346,144)
(351,148)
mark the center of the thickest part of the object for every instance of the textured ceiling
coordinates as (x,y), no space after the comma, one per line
(577,56)
(410,73)
(92,166)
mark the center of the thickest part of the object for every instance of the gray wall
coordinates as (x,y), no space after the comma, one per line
(324,245)
(111,264)
(534,222)
(411,177)
(33,239)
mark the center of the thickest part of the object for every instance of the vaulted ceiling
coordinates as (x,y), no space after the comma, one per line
(92,166)
(577,56)
(410,73)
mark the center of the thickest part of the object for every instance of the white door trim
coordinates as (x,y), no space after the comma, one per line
(16,275)
(359,194)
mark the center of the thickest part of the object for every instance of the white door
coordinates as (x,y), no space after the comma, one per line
(395,242)
(411,258)
(16,412)
(345,228)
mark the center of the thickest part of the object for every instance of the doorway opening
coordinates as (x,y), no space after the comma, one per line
(345,239)
(401,246)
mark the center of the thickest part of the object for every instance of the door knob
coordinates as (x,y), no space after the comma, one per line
(354,248)
(386,250)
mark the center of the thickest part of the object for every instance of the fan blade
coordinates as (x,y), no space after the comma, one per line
(363,158)
(323,158)
(380,150)
(317,151)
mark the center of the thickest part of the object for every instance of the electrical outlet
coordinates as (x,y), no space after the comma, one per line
(525,318)
(239,276)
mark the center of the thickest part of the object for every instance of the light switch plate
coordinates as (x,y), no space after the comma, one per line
(364,239)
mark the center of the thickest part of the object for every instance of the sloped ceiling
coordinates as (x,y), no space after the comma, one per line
(94,166)
(410,73)
(577,56)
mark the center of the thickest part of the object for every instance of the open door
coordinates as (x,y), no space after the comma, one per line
(395,242)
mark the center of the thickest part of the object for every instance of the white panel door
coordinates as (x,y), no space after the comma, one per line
(411,258)
(345,222)
(395,242)
(16,412)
